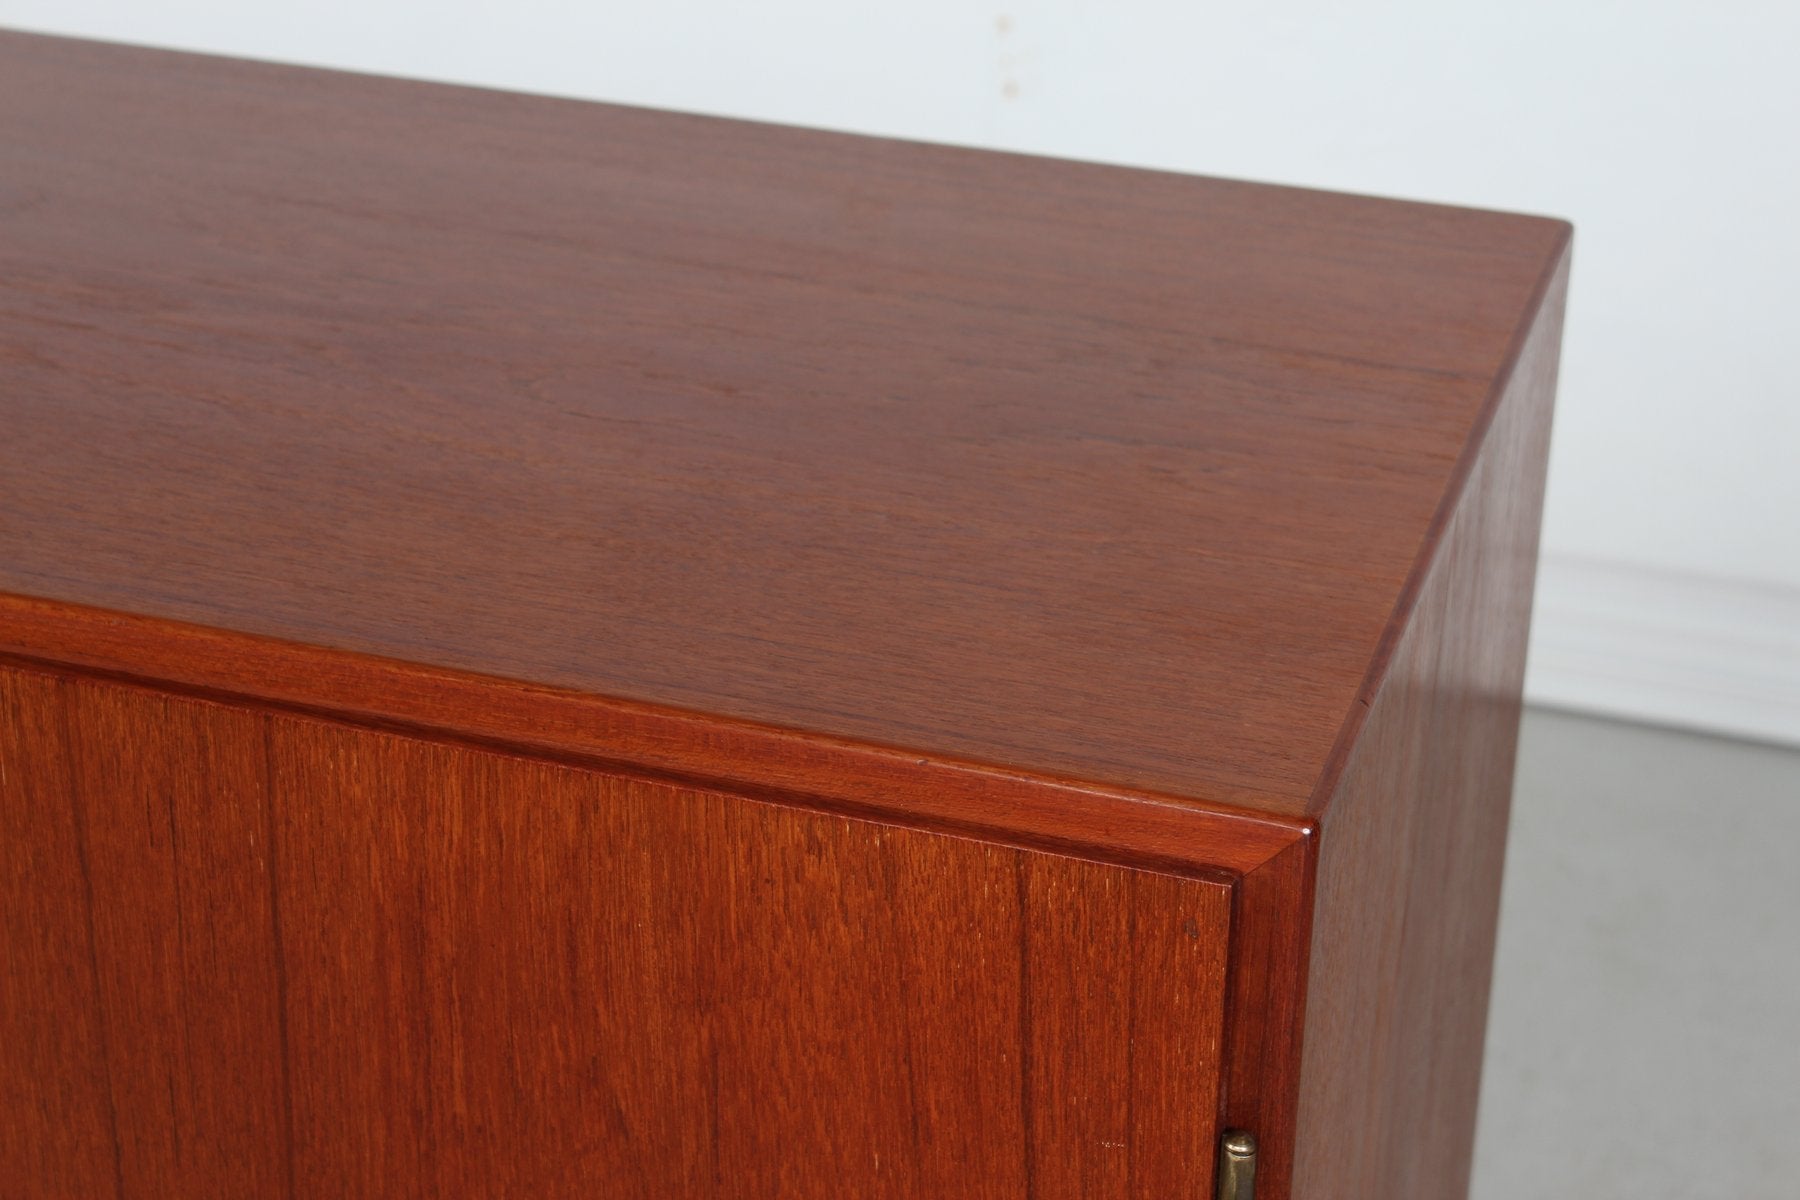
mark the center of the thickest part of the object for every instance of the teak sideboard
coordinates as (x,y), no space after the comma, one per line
(550,649)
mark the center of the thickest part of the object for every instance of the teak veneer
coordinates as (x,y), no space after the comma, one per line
(556,649)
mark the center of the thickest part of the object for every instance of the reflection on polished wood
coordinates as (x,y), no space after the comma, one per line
(554,649)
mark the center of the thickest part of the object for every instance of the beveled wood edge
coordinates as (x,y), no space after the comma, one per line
(1555,274)
(1143,830)
(1268,863)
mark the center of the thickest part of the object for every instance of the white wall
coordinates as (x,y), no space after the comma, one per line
(1669,132)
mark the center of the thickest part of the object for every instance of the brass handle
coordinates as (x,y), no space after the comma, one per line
(1237,1166)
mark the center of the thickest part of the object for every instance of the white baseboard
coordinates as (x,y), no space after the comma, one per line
(1641,644)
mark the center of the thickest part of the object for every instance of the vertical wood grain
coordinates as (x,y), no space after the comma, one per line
(963,1074)
(172,799)
(350,887)
(514,977)
(1112,1112)
(1179,939)
(1078,1141)
(1413,840)
(56,1121)
(328,960)
(748,525)
(1270,945)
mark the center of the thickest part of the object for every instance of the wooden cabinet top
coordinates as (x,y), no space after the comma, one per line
(654,437)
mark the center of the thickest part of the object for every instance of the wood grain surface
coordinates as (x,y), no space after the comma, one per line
(57,1129)
(173,822)
(264,954)
(1412,838)
(1271,948)
(1113,476)
(555,649)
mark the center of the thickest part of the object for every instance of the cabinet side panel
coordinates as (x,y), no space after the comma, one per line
(1413,837)
(511,977)
(56,1128)
(171,798)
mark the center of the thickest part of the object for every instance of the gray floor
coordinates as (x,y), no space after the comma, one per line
(1645,1033)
